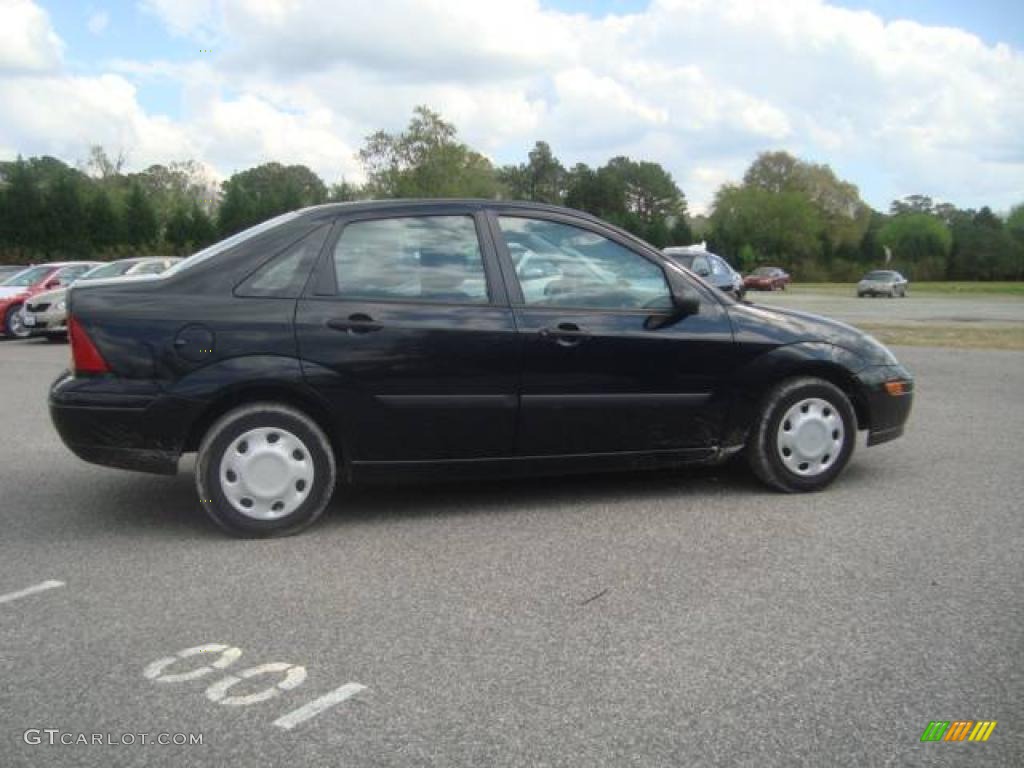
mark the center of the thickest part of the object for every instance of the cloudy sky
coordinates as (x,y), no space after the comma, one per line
(899,96)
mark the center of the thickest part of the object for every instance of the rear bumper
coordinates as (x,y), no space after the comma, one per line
(120,424)
(887,413)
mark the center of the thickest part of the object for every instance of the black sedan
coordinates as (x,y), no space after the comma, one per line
(373,341)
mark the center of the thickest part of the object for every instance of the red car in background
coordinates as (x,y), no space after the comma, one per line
(767,279)
(27,283)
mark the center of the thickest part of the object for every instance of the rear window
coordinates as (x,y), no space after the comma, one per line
(228,243)
(880,275)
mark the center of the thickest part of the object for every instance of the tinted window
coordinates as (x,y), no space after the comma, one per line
(561,265)
(425,258)
(285,275)
(880,276)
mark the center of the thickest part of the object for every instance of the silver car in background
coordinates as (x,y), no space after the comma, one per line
(883,282)
(46,314)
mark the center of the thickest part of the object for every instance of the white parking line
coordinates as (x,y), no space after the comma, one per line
(315,707)
(42,587)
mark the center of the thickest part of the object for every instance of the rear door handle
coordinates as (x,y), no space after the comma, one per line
(355,323)
(565,334)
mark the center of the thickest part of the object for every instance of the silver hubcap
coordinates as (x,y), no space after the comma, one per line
(266,473)
(810,437)
(18,327)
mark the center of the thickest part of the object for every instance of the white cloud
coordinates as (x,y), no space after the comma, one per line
(698,85)
(98,22)
(27,40)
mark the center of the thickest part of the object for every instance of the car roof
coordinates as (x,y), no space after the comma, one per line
(362,206)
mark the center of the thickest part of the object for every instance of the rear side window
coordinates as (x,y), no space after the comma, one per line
(413,258)
(285,275)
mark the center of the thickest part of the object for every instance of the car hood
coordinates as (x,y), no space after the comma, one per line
(7,291)
(49,296)
(791,326)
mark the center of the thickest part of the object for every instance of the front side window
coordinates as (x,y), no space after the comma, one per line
(413,258)
(701,266)
(562,265)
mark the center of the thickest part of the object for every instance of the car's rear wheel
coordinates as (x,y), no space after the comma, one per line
(14,324)
(265,469)
(804,436)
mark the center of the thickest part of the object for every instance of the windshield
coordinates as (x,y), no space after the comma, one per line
(880,276)
(108,270)
(228,243)
(764,271)
(686,259)
(28,277)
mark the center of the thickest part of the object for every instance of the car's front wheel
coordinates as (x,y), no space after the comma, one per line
(14,324)
(265,469)
(804,435)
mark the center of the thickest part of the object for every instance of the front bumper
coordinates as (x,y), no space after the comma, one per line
(46,322)
(887,413)
(118,423)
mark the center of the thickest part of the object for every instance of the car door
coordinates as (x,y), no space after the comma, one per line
(407,331)
(599,374)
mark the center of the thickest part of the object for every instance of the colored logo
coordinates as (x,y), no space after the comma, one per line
(958,730)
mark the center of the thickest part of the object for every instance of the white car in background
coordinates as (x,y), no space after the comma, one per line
(46,314)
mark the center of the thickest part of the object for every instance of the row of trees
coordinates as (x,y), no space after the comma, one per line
(785,212)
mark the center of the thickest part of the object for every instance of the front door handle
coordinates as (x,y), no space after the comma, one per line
(565,334)
(355,323)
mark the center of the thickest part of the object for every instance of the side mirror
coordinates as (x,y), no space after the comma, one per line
(685,302)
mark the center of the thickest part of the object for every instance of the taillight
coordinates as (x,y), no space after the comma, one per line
(85,358)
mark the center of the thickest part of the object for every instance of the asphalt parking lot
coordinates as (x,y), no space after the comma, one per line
(661,619)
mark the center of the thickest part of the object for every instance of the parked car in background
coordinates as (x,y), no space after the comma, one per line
(9,270)
(45,314)
(371,341)
(883,282)
(710,266)
(15,290)
(767,279)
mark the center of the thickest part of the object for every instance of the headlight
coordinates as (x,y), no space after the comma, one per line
(61,305)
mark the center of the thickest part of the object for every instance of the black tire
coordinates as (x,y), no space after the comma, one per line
(218,439)
(761,451)
(12,326)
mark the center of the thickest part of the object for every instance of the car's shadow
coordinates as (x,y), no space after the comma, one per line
(166,507)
